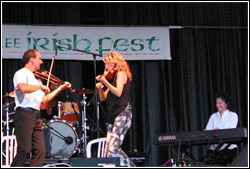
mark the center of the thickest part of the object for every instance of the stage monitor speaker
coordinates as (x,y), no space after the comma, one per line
(241,160)
(95,162)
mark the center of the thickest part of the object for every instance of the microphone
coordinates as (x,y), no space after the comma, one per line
(69,46)
(68,140)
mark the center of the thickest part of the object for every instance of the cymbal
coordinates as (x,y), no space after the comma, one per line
(11,94)
(47,105)
(7,104)
(86,91)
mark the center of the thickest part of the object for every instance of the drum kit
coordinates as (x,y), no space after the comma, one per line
(61,137)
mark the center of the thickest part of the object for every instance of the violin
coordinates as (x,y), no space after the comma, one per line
(43,74)
(110,74)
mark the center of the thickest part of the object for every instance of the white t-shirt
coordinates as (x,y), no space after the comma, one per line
(32,100)
(228,120)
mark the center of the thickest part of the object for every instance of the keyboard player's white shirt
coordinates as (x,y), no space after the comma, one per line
(228,120)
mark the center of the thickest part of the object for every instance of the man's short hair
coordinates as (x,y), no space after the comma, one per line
(29,54)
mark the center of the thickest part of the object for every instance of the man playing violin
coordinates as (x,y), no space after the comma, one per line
(29,94)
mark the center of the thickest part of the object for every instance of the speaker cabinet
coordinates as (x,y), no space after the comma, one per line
(95,162)
(241,160)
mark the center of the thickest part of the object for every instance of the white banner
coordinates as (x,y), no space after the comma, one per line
(82,43)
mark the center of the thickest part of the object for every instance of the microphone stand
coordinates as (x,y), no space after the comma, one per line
(67,139)
(96,101)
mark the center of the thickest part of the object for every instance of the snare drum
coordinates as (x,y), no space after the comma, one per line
(60,139)
(70,112)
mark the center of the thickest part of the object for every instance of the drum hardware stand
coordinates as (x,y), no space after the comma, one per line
(7,118)
(60,107)
(84,124)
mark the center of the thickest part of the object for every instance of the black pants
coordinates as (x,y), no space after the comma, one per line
(30,136)
(221,157)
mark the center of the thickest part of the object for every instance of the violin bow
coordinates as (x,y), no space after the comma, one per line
(110,52)
(112,46)
(50,70)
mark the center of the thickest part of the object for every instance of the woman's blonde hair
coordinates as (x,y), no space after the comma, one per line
(119,62)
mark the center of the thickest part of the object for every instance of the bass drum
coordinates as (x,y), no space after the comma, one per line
(60,139)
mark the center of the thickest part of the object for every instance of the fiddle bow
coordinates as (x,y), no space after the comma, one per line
(110,74)
(50,70)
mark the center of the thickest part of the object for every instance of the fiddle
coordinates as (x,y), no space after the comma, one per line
(110,74)
(44,75)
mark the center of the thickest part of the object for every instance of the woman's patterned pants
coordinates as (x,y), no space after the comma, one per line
(115,136)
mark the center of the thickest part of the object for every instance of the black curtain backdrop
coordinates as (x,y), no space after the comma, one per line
(209,55)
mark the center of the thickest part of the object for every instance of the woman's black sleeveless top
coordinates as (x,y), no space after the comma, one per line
(115,105)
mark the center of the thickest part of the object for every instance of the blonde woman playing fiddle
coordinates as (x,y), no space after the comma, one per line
(118,109)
